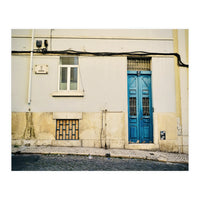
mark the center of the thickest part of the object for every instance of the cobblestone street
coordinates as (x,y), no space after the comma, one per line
(37,162)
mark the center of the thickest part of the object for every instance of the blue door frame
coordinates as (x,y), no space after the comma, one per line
(140,112)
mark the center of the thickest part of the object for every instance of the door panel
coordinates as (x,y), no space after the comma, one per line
(133,108)
(140,107)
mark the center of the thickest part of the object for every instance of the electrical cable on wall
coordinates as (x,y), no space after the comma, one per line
(133,53)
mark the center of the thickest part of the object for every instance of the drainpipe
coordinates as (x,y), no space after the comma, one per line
(105,129)
(30,69)
(101,133)
(51,39)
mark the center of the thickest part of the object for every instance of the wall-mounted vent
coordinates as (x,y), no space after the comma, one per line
(139,64)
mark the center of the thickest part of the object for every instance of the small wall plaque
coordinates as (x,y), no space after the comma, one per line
(41,69)
(163,135)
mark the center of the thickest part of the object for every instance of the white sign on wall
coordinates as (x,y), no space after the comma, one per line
(41,69)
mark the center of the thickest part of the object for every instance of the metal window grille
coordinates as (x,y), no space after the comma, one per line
(145,106)
(67,129)
(138,64)
(132,105)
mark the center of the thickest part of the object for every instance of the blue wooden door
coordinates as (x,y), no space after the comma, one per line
(140,118)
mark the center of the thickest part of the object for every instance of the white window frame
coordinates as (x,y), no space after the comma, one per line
(68,76)
(68,92)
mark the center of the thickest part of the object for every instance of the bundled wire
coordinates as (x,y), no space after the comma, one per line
(133,53)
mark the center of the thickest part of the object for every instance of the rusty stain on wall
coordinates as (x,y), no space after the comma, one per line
(29,130)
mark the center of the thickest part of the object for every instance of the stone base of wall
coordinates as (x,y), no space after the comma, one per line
(100,130)
(70,143)
(169,146)
(165,146)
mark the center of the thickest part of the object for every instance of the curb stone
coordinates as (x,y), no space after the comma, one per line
(117,153)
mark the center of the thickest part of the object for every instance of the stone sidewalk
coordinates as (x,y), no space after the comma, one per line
(123,153)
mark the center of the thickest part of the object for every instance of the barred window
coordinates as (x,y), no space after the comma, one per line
(145,106)
(132,106)
(138,64)
(67,129)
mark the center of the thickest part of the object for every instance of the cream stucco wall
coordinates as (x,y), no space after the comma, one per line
(104,84)
(19,83)
(102,78)
(184,89)
(97,33)
(103,81)
(157,40)
(163,84)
